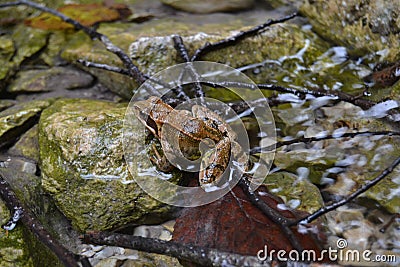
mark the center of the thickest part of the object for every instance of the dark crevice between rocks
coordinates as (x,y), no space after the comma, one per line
(34,59)
(10,137)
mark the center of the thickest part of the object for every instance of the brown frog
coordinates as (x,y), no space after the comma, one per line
(201,126)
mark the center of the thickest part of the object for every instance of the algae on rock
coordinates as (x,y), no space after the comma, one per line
(12,247)
(83,166)
(363,27)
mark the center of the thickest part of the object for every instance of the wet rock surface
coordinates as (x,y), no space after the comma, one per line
(209,6)
(364,230)
(70,167)
(82,165)
(363,27)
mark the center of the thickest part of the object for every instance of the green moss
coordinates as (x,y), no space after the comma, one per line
(6,53)
(12,247)
(81,142)
(40,254)
(28,41)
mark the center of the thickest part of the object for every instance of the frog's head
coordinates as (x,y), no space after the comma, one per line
(151,113)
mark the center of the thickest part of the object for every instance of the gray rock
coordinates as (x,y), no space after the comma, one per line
(209,6)
(56,78)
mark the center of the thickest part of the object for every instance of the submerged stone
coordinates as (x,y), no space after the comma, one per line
(56,78)
(83,166)
(297,192)
(209,6)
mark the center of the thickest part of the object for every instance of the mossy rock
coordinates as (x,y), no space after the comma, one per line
(83,166)
(23,43)
(151,47)
(363,27)
(12,247)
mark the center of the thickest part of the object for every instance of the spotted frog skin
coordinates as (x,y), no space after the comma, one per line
(192,128)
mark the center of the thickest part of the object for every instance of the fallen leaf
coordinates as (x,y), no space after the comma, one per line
(86,14)
(234,224)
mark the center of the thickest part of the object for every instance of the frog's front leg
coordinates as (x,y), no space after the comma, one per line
(160,160)
(215,162)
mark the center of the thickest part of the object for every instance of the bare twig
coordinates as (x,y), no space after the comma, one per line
(198,255)
(35,226)
(315,139)
(101,66)
(335,95)
(208,47)
(350,197)
(180,47)
(126,72)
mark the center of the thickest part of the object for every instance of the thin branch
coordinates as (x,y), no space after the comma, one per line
(198,255)
(272,214)
(337,95)
(182,51)
(239,106)
(315,139)
(133,70)
(350,197)
(101,66)
(34,225)
(208,47)
(180,47)
(122,71)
